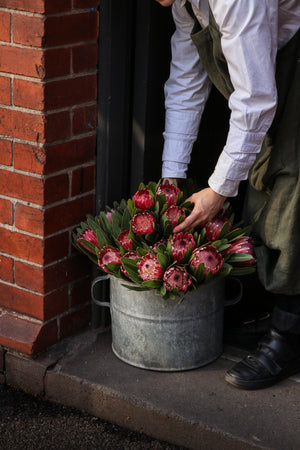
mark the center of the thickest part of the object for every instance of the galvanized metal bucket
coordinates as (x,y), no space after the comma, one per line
(152,333)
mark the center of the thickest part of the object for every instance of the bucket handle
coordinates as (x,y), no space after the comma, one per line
(237,299)
(96,281)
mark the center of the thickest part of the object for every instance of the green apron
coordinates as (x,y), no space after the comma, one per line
(272,204)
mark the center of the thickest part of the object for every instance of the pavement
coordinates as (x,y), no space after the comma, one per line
(194,409)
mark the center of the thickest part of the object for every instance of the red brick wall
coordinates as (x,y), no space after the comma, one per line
(48,90)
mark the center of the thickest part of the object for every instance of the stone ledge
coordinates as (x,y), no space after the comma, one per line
(194,409)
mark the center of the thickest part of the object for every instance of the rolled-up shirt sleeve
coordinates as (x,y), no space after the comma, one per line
(249,44)
(186,92)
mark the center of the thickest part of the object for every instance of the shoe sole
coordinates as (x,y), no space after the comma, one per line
(251,385)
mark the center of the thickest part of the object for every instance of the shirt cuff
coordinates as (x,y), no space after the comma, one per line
(235,161)
(223,186)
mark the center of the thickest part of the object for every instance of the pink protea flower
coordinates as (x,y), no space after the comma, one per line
(180,244)
(149,268)
(143,223)
(124,240)
(108,255)
(142,199)
(210,257)
(156,244)
(129,255)
(108,214)
(242,244)
(214,226)
(173,213)
(176,277)
(171,192)
(90,236)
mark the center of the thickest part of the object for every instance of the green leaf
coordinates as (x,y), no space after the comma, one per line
(225,270)
(234,234)
(152,186)
(142,251)
(102,238)
(125,222)
(153,284)
(113,268)
(239,257)
(199,273)
(130,265)
(105,223)
(131,207)
(163,260)
(224,230)
(89,246)
(240,271)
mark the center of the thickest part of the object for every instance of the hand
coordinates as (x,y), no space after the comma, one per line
(207,203)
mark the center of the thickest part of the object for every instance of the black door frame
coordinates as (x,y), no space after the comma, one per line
(134,55)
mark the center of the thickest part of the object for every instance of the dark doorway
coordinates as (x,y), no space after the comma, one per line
(134,56)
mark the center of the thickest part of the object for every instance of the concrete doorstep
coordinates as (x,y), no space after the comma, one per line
(195,409)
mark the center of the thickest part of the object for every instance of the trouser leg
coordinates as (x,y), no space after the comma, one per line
(286,314)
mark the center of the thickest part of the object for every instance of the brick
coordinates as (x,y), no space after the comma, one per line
(84,119)
(29,219)
(58,126)
(30,277)
(28,94)
(74,321)
(38,6)
(15,299)
(56,247)
(22,61)
(21,246)
(80,291)
(6,269)
(28,30)
(84,57)
(56,303)
(69,92)
(69,154)
(22,125)
(21,186)
(26,336)
(68,214)
(56,6)
(29,157)
(33,189)
(57,62)
(24,5)
(6,212)
(5,152)
(4,26)
(56,188)
(83,180)
(71,28)
(85,3)
(5,97)
(46,279)
(66,271)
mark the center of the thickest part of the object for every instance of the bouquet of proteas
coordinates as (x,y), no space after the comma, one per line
(134,241)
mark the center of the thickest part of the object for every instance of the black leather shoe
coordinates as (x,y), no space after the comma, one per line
(275,359)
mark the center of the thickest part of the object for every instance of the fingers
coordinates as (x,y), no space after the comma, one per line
(192,221)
